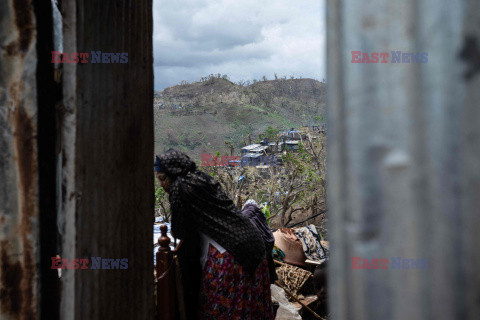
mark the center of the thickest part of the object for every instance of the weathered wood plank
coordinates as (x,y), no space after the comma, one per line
(109,152)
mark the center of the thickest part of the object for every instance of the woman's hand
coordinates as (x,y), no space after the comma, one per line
(178,247)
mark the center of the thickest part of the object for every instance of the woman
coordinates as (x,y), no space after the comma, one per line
(222,255)
(253,212)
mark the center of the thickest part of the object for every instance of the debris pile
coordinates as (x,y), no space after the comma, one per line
(301,258)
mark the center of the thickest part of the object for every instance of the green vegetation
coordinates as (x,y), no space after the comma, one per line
(224,111)
(162,206)
(295,189)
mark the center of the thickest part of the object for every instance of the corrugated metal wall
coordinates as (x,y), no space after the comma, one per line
(404,159)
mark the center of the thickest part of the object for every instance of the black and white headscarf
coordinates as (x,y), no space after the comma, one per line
(198,203)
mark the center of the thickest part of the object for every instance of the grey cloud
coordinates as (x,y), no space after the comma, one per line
(223,38)
(188,58)
(246,39)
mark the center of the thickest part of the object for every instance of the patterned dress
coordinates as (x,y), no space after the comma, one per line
(228,292)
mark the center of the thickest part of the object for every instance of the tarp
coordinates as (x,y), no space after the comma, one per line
(286,311)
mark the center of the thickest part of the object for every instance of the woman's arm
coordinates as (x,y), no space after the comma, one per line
(178,247)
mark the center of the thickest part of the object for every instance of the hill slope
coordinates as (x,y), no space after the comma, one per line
(199,117)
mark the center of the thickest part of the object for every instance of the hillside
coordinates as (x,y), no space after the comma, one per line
(200,117)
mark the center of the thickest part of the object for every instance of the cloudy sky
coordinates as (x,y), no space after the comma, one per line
(244,39)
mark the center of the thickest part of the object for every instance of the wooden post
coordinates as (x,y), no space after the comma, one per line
(165,278)
(113,101)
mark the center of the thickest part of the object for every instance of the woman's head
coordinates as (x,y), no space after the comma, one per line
(170,165)
(165,180)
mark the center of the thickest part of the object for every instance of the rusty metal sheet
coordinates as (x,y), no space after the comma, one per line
(18,163)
